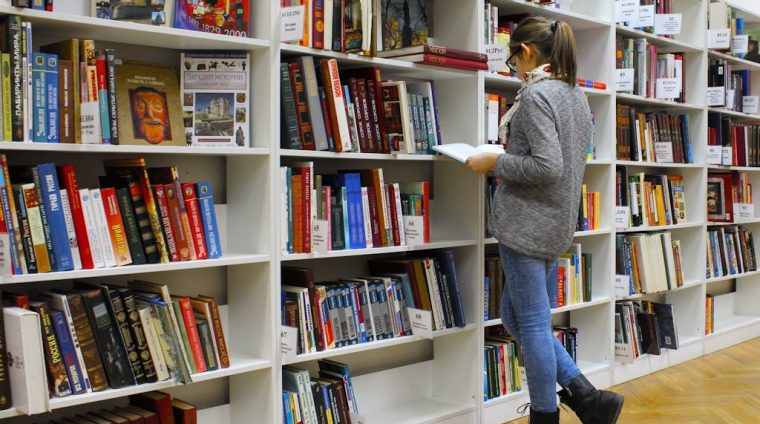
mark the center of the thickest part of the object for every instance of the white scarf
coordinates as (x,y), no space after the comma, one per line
(538,74)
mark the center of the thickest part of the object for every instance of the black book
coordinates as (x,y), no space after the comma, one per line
(131,228)
(112,103)
(10,41)
(112,352)
(138,334)
(667,325)
(650,340)
(6,400)
(290,137)
(319,404)
(119,316)
(25,231)
(140,211)
(446,260)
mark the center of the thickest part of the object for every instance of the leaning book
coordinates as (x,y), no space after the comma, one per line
(215,98)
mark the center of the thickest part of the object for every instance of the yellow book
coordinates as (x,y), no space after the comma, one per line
(7,114)
(31,203)
(660,201)
(584,202)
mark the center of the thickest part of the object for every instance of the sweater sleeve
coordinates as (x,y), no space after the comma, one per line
(543,163)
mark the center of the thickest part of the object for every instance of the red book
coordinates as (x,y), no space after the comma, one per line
(394,215)
(296,207)
(192,332)
(375,99)
(163,212)
(149,417)
(377,240)
(449,62)
(221,344)
(305,173)
(68,178)
(184,413)
(175,215)
(435,50)
(318,25)
(560,287)
(158,402)
(17,300)
(100,65)
(194,215)
(116,226)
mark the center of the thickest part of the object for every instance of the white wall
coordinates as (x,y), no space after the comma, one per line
(750,5)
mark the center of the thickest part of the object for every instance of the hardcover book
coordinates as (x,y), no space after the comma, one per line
(404,23)
(152,12)
(217,17)
(216,98)
(149,106)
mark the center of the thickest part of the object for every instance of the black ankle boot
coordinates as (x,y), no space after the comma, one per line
(544,417)
(592,406)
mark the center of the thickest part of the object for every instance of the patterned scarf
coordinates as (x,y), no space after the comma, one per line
(539,74)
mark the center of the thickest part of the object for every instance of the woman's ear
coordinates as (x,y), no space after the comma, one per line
(528,53)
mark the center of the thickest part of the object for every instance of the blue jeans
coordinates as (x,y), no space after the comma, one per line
(526,314)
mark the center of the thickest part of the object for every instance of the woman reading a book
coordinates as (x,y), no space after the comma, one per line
(535,211)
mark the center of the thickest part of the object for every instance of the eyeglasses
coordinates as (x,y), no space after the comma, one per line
(511,59)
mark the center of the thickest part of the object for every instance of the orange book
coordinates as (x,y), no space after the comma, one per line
(116,226)
(561,286)
(188,316)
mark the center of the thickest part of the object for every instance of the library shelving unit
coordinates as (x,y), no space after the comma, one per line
(410,379)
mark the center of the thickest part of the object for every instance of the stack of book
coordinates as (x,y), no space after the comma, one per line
(649,66)
(652,261)
(589,214)
(735,84)
(743,139)
(568,337)
(329,398)
(724,190)
(652,136)
(653,199)
(365,309)
(440,56)
(643,328)
(350,210)
(502,371)
(730,251)
(355,110)
(138,215)
(96,337)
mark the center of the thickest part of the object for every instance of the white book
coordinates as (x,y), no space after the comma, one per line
(60,302)
(435,295)
(284,206)
(461,152)
(26,361)
(426,90)
(154,345)
(367,220)
(385,223)
(101,225)
(399,216)
(70,231)
(92,229)
(401,142)
(328,23)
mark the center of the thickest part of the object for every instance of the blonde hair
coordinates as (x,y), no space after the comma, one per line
(554,42)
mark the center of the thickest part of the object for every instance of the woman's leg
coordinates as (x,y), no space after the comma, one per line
(566,368)
(525,295)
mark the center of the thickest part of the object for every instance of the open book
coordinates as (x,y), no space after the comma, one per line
(461,151)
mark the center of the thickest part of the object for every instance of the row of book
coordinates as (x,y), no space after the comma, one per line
(722,17)
(503,371)
(345,26)
(730,251)
(643,327)
(735,85)
(573,281)
(726,192)
(589,213)
(743,139)
(355,110)
(653,262)
(496,107)
(46,5)
(327,398)
(94,337)
(653,199)
(144,408)
(649,66)
(137,215)
(350,210)
(364,309)
(568,338)
(77,94)
(652,136)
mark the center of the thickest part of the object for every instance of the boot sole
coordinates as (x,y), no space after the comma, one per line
(618,409)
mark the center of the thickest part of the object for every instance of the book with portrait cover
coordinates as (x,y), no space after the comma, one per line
(215,98)
(228,17)
(149,105)
(152,12)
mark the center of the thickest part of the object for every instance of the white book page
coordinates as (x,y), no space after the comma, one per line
(460,151)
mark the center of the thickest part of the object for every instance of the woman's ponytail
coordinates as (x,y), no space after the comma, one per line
(562,57)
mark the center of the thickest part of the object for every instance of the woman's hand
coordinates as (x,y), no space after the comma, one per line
(482,162)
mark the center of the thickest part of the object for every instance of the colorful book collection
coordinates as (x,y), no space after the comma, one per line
(653,199)
(355,110)
(502,364)
(722,17)
(724,190)
(226,18)
(350,210)
(643,327)
(652,261)
(652,136)
(137,215)
(96,337)
(341,26)
(46,5)
(568,337)
(366,309)
(496,107)
(327,398)
(743,139)
(589,213)
(573,281)
(735,83)
(649,66)
(730,251)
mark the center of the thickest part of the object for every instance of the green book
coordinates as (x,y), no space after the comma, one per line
(183,333)
(207,342)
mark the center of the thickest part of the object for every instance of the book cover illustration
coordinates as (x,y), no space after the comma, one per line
(226,17)
(405,23)
(152,12)
(149,106)
(215,98)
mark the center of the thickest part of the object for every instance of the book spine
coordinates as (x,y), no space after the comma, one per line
(302,108)
(36,228)
(335,101)
(70,230)
(151,338)
(194,219)
(318,29)
(353,94)
(121,321)
(166,222)
(51,197)
(187,230)
(221,344)
(39,93)
(26,67)
(115,225)
(101,226)
(25,232)
(152,254)
(208,219)
(43,213)
(155,220)
(87,343)
(111,87)
(180,235)
(137,333)
(313,102)
(290,138)
(298,215)
(68,352)
(51,85)
(102,89)
(58,382)
(13,28)
(91,228)
(393,215)
(136,250)
(68,177)
(375,116)
(7,96)
(363,109)
(196,349)
(207,344)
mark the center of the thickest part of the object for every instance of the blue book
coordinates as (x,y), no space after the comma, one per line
(382,300)
(39,98)
(51,84)
(287,413)
(105,114)
(68,352)
(51,198)
(289,195)
(686,140)
(353,210)
(740,31)
(336,315)
(208,218)
(351,318)
(12,242)
(374,308)
(446,261)
(361,328)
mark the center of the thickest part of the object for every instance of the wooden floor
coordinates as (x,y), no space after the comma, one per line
(723,387)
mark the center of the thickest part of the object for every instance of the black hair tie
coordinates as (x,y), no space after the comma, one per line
(553,26)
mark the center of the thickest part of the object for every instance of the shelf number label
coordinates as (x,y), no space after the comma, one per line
(718,38)
(624,79)
(668,88)
(744,212)
(749,104)
(740,44)
(288,342)
(291,23)
(622,216)
(646,17)
(716,96)
(622,285)
(667,24)
(422,322)
(714,155)
(626,10)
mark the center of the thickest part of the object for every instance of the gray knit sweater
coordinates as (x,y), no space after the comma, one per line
(535,208)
